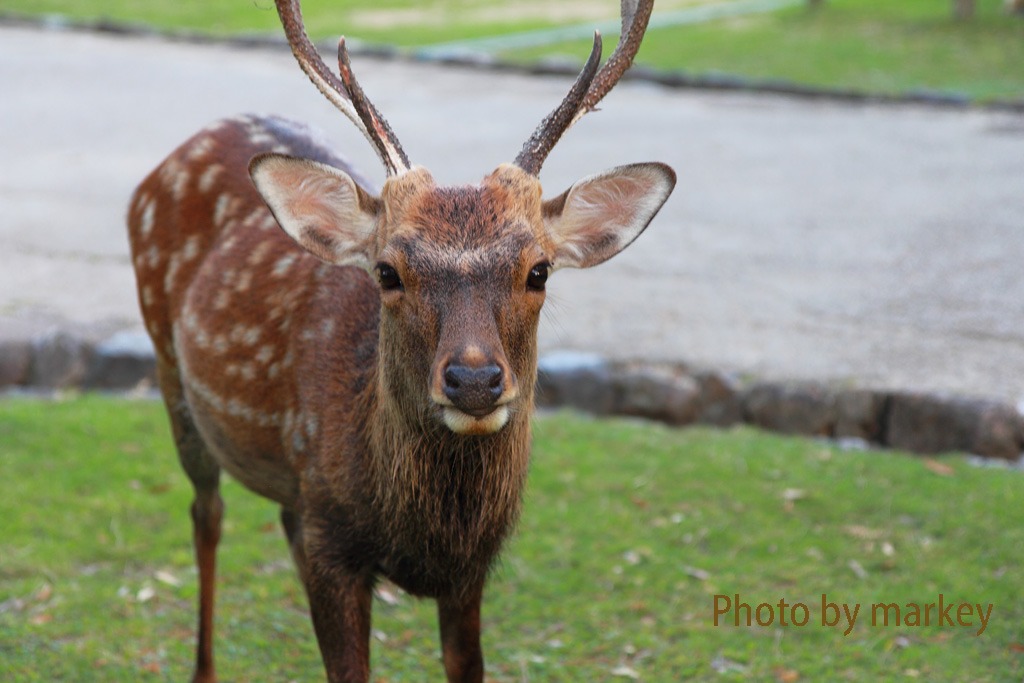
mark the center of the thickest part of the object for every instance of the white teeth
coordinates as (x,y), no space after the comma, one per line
(462,423)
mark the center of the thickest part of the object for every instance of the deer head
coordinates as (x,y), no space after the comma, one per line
(462,270)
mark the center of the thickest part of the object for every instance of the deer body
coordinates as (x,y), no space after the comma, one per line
(366,361)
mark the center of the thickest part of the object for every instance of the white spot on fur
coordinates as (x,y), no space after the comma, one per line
(261,139)
(221,301)
(327,328)
(248,371)
(244,280)
(191,248)
(257,254)
(147,296)
(153,256)
(228,243)
(283,264)
(147,219)
(312,425)
(264,355)
(221,209)
(209,177)
(252,335)
(172,272)
(232,407)
(220,344)
(202,148)
(180,186)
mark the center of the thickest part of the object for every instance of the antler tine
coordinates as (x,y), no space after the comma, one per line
(340,93)
(635,16)
(550,130)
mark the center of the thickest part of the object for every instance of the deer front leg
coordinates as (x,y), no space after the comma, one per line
(340,603)
(207,511)
(460,638)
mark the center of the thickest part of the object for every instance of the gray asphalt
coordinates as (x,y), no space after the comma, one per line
(878,246)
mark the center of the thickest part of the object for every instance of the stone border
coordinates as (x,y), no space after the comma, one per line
(677,395)
(552,67)
(672,394)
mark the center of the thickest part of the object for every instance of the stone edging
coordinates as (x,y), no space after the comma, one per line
(559,67)
(676,395)
(673,394)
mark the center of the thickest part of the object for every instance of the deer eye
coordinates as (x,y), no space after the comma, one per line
(538,276)
(388,277)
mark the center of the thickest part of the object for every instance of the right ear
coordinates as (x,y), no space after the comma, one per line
(320,207)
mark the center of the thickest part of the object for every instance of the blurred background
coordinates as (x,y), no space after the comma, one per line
(973,48)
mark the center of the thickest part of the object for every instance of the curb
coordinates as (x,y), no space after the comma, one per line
(674,394)
(548,67)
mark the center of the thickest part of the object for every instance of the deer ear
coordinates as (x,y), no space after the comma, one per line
(602,214)
(319,206)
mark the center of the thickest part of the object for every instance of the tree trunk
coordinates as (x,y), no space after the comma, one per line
(963,9)
(1015,7)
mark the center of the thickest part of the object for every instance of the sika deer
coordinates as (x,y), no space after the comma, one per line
(370,365)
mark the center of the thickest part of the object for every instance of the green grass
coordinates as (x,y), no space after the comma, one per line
(629,531)
(870,45)
(882,46)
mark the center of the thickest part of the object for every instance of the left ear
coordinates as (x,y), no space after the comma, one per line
(602,214)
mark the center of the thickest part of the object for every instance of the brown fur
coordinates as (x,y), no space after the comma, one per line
(304,383)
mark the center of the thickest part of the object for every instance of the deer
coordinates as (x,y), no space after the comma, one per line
(366,360)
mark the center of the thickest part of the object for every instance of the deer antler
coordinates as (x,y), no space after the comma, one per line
(635,16)
(345,94)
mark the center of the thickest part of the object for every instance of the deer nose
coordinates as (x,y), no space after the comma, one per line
(473,390)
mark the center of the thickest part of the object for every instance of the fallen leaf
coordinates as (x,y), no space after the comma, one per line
(386,595)
(862,532)
(857,569)
(40,619)
(145,594)
(723,665)
(793,494)
(696,573)
(787,675)
(625,672)
(1016,647)
(44,593)
(939,468)
(168,578)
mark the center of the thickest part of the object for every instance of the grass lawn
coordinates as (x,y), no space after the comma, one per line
(871,45)
(630,531)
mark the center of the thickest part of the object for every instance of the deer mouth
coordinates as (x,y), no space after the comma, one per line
(475,424)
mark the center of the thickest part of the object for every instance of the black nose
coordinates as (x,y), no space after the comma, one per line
(473,390)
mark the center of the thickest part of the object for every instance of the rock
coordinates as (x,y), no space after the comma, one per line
(122,361)
(15,362)
(657,394)
(721,398)
(860,414)
(59,360)
(926,423)
(792,409)
(577,380)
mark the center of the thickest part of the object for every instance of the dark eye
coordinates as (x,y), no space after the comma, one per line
(538,276)
(388,277)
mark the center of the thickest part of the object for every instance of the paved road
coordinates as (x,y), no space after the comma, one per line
(877,245)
